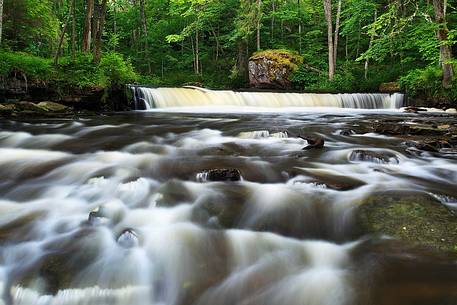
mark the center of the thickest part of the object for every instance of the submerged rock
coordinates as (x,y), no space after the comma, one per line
(128,239)
(223,174)
(413,217)
(373,156)
(327,179)
(399,128)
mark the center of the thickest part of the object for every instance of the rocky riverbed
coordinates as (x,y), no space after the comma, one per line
(185,208)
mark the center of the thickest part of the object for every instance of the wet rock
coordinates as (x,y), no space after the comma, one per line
(271,69)
(314,142)
(432,146)
(52,107)
(346,132)
(414,109)
(98,217)
(373,156)
(223,174)
(323,178)
(128,239)
(6,108)
(404,129)
(28,106)
(414,217)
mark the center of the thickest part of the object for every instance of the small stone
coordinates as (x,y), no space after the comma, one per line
(223,174)
(128,239)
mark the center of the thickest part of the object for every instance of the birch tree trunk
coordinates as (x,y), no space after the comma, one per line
(328,17)
(197,52)
(337,33)
(73,29)
(1,21)
(299,27)
(259,20)
(445,50)
(144,26)
(367,61)
(88,26)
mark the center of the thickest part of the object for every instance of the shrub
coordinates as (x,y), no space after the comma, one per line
(33,67)
(426,82)
(117,70)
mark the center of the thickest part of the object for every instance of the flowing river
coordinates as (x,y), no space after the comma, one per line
(118,210)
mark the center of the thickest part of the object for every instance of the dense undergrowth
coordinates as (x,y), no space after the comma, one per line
(80,72)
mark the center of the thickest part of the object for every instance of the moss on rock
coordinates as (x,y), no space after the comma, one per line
(412,217)
(273,68)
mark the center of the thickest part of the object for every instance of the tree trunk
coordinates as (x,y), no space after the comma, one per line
(197,52)
(98,39)
(367,61)
(328,17)
(259,22)
(88,26)
(445,50)
(272,34)
(61,38)
(1,21)
(73,29)
(144,26)
(95,23)
(337,32)
(299,27)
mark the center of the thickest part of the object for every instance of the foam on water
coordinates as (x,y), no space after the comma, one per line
(133,225)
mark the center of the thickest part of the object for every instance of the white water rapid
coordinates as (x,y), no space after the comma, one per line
(120,210)
(151,98)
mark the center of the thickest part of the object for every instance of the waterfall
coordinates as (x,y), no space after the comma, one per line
(150,98)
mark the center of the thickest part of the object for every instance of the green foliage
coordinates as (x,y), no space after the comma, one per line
(425,82)
(116,70)
(113,69)
(33,67)
(81,72)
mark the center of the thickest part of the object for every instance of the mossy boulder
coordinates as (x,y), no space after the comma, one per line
(413,217)
(52,107)
(391,87)
(271,69)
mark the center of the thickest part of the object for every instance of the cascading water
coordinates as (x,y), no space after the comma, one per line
(150,98)
(118,210)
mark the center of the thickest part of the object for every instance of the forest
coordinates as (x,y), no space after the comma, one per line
(345,45)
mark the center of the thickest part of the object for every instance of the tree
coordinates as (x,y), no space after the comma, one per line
(337,29)
(1,21)
(440,7)
(88,26)
(331,56)
(259,22)
(100,29)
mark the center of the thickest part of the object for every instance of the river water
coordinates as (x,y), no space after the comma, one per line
(112,210)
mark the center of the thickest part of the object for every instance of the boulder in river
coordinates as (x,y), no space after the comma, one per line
(52,107)
(271,69)
(221,174)
(314,142)
(373,156)
(414,217)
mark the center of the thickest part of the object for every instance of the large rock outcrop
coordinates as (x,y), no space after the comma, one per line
(271,69)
